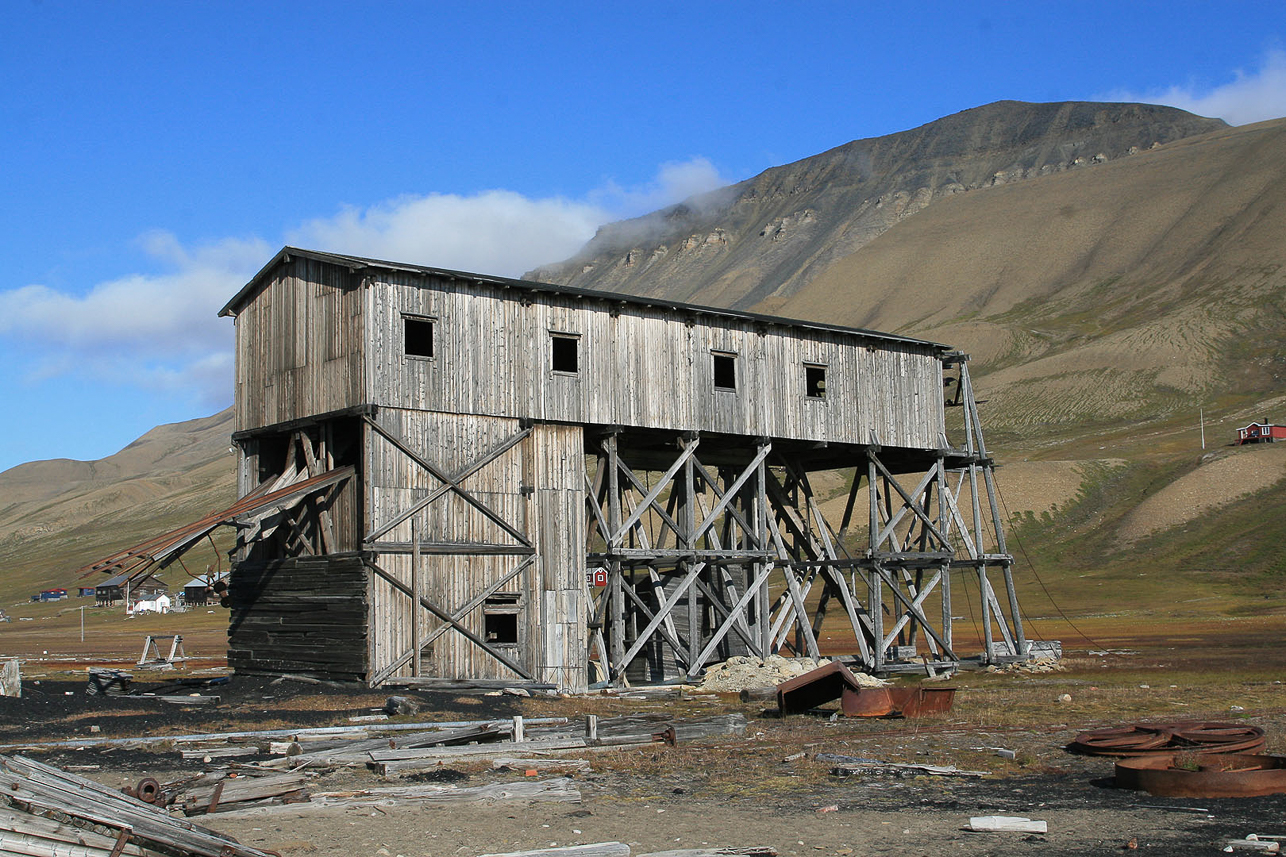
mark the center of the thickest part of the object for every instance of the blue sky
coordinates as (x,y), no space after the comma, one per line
(154,155)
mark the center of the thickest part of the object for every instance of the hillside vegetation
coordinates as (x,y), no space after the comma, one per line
(1115,271)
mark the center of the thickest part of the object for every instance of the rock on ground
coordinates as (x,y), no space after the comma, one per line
(750,673)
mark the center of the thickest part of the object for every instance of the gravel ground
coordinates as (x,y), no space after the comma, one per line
(765,788)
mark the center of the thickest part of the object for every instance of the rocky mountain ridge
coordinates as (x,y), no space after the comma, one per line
(757,243)
(1107,287)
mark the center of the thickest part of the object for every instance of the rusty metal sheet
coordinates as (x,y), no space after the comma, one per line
(1144,739)
(891,701)
(139,562)
(815,688)
(929,700)
(868,702)
(1204,776)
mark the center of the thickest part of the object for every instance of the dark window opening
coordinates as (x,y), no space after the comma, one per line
(725,371)
(500,619)
(418,338)
(565,353)
(815,381)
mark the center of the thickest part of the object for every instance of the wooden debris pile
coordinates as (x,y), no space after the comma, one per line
(47,811)
(411,747)
(225,790)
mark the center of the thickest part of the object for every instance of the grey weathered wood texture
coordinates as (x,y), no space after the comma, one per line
(304,615)
(314,336)
(476,514)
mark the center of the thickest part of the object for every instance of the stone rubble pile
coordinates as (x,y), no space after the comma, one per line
(750,673)
(1036,665)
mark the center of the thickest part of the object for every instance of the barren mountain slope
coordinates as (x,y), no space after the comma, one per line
(758,242)
(55,516)
(1123,292)
(1103,303)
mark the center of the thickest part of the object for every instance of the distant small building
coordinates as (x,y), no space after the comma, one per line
(199,591)
(1264,432)
(159,604)
(112,590)
(85,592)
(50,595)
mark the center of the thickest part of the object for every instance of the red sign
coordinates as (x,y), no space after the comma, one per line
(596,576)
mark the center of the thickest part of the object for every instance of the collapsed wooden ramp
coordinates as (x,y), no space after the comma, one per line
(47,811)
(265,508)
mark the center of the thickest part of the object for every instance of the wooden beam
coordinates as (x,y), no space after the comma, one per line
(482,507)
(451,484)
(446,617)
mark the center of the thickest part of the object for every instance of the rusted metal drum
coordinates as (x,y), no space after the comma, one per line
(906,701)
(147,790)
(1146,739)
(1234,775)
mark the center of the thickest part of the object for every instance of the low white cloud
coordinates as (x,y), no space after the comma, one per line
(1251,96)
(159,332)
(495,232)
(153,331)
(675,181)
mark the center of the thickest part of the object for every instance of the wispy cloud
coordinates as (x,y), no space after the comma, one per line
(497,231)
(494,232)
(675,181)
(1251,96)
(159,331)
(152,331)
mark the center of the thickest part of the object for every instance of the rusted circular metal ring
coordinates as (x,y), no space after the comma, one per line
(1236,775)
(147,790)
(1145,739)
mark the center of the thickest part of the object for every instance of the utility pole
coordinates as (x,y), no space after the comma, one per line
(1202,412)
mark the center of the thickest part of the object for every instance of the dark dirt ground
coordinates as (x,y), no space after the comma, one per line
(724,791)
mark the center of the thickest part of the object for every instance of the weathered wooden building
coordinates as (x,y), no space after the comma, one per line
(519,481)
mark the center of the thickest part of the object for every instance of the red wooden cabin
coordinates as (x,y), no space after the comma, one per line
(1264,432)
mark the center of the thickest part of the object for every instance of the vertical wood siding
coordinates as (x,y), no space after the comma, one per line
(299,345)
(643,366)
(551,642)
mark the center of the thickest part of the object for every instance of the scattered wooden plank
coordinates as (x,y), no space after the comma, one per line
(32,788)
(749,851)
(219,752)
(187,699)
(560,789)
(849,765)
(228,791)
(598,849)
(1006,824)
(931,770)
(1261,846)
(318,733)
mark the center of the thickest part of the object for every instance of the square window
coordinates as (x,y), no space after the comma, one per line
(500,619)
(725,371)
(417,336)
(815,381)
(565,356)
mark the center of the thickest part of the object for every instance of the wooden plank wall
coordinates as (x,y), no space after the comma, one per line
(557,455)
(551,642)
(303,615)
(643,366)
(299,345)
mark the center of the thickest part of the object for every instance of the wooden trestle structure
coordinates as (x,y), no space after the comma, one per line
(449,476)
(713,547)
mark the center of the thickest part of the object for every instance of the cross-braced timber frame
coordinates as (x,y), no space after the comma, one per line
(713,546)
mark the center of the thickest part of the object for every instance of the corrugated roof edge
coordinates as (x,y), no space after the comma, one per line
(358,262)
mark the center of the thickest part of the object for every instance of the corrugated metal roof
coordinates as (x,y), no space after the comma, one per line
(143,559)
(358,263)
